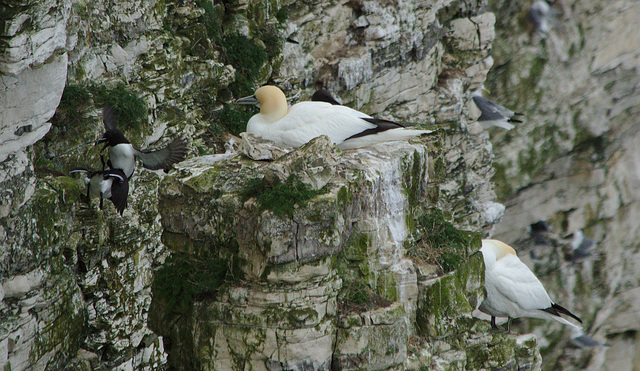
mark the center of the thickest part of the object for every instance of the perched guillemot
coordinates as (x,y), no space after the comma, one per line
(323,95)
(111,184)
(122,154)
(493,114)
(304,121)
(513,290)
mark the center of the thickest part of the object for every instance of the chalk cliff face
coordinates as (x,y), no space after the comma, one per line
(370,263)
(574,163)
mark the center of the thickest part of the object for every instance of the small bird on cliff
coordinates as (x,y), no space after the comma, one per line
(513,290)
(122,154)
(323,95)
(583,341)
(304,121)
(539,17)
(581,246)
(493,114)
(111,184)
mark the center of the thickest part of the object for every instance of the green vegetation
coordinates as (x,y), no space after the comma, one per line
(247,56)
(232,119)
(185,278)
(130,110)
(356,296)
(440,243)
(279,197)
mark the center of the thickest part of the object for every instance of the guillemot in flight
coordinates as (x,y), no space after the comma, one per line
(122,154)
(513,290)
(304,121)
(111,184)
(493,114)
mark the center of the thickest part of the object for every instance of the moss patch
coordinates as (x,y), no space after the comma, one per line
(184,279)
(247,56)
(356,296)
(440,243)
(281,198)
(130,110)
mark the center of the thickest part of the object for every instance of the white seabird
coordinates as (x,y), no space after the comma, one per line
(539,16)
(304,121)
(513,290)
(581,246)
(583,341)
(493,114)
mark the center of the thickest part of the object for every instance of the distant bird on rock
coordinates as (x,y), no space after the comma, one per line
(304,121)
(583,341)
(323,95)
(122,154)
(111,184)
(539,17)
(581,246)
(513,290)
(493,114)
(539,232)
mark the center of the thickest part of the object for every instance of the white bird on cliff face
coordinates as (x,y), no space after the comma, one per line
(513,290)
(493,114)
(304,121)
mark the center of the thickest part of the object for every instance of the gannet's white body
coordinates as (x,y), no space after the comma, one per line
(304,121)
(513,290)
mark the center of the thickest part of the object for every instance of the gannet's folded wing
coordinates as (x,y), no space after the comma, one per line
(514,280)
(308,120)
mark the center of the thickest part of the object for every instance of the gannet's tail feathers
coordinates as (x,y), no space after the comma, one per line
(389,135)
(555,311)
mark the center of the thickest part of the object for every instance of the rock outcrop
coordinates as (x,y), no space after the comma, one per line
(573,163)
(316,259)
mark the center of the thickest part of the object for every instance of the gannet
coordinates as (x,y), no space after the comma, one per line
(122,154)
(493,114)
(304,121)
(513,290)
(111,184)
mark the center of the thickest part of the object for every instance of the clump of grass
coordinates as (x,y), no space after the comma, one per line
(279,197)
(247,56)
(130,110)
(356,296)
(233,119)
(184,279)
(441,243)
(72,111)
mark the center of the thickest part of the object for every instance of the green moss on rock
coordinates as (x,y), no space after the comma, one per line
(279,197)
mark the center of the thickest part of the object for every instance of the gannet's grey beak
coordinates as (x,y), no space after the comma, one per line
(251,100)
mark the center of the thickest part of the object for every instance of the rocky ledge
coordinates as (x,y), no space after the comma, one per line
(319,259)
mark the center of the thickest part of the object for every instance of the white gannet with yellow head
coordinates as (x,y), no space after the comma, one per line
(513,290)
(304,121)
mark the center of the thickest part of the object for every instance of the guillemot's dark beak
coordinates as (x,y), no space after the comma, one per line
(250,101)
(103,140)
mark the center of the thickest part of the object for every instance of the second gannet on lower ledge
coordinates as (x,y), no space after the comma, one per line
(513,290)
(304,121)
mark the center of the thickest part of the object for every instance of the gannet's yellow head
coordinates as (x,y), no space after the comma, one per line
(499,248)
(273,102)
